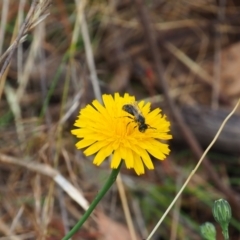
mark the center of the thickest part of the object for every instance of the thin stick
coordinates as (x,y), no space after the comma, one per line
(88,49)
(5,6)
(90,59)
(126,207)
(217,56)
(194,170)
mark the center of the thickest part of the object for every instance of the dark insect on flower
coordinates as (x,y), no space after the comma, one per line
(137,116)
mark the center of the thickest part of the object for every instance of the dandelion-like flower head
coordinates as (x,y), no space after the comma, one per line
(108,129)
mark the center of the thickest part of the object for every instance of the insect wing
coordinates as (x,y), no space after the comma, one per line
(129,109)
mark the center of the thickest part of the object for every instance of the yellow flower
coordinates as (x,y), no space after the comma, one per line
(108,129)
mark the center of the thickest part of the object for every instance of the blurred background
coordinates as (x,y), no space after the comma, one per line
(183,56)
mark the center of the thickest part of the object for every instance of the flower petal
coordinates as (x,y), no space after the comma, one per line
(116,159)
(146,159)
(108,101)
(129,161)
(100,108)
(95,147)
(102,155)
(154,114)
(145,109)
(159,152)
(138,164)
(84,143)
(81,133)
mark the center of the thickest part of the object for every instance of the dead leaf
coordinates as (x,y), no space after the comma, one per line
(230,71)
(111,229)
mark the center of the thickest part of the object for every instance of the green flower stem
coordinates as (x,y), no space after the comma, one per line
(112,178)
(225,234)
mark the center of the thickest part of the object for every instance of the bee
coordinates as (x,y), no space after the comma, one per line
(137,117)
